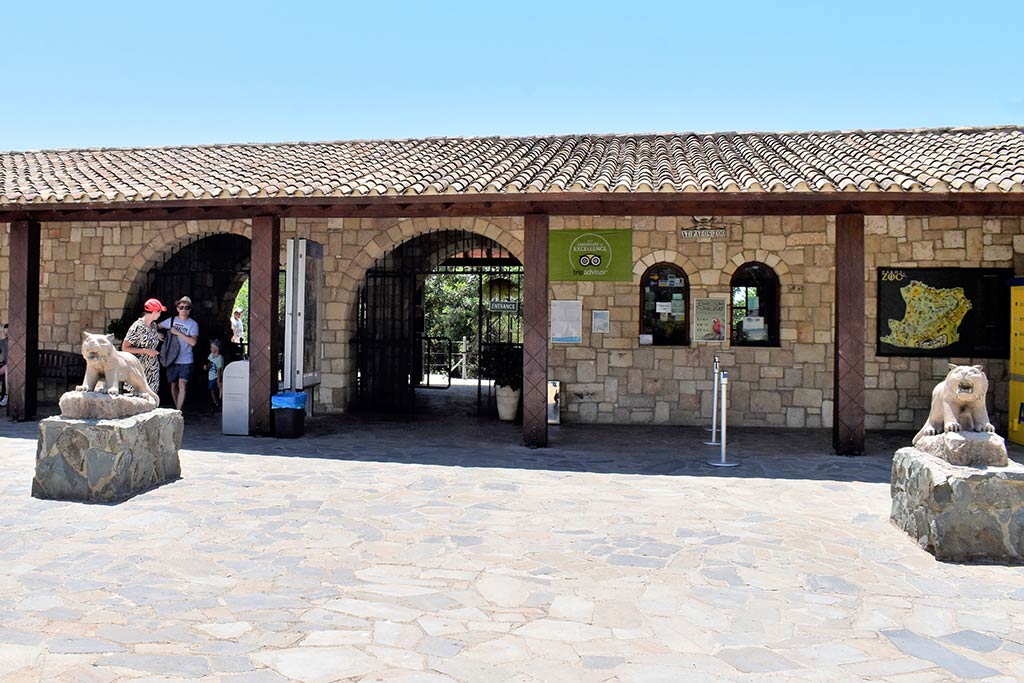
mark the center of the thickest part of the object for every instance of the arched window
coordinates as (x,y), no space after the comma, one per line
(664,305)
(755,305)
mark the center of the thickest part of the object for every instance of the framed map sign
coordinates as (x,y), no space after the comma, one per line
(944,312)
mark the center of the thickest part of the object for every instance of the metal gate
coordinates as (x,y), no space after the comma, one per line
(393,354)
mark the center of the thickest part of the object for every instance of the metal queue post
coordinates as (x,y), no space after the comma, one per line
(721,462)
(714,404)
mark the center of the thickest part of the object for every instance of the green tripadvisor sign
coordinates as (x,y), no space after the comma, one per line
(575,255)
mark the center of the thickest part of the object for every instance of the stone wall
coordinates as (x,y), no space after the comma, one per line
(611,378)
(899,389)
(90,271)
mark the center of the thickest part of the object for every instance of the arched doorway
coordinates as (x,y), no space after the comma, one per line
(430,314)
(210,270)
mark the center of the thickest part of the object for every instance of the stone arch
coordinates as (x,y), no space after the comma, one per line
(771,260)
(403,230)
(166,242)
(641,264)
(392,234)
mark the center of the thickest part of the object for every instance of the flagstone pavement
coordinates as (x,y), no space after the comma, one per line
(391,550)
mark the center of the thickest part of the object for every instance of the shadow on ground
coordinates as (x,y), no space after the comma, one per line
(447,432)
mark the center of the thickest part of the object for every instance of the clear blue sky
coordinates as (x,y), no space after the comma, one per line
(80,74)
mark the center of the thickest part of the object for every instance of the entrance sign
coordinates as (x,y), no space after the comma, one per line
(304,276)
(503,306)
(590,255)
(944,312)
(567,322)
(710,320)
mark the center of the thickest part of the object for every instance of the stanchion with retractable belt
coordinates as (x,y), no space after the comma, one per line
(714,404)
(722,462)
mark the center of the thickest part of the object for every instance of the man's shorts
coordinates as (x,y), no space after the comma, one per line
(211,384)
(178,371)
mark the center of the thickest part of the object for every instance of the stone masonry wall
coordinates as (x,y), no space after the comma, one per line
(899,389)
(611,378)
(89,270)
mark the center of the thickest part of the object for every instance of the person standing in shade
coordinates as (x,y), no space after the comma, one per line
(142,339)
(187,331)
(237,327)
(215,372)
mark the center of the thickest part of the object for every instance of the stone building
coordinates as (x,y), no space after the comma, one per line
(818,214)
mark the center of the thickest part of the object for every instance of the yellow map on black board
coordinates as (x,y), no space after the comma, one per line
(932,319)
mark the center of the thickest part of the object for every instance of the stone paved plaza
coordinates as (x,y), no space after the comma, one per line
(430,553)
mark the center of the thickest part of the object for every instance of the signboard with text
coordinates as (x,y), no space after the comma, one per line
(590,255)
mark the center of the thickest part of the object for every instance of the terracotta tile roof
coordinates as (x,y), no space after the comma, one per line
(936,160)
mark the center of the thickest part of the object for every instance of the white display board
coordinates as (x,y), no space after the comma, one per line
(235,416)
(566,322)
(304,274)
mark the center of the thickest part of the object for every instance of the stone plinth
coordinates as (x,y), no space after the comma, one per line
(966,448)
(107,460)
(95,405)
(957,512)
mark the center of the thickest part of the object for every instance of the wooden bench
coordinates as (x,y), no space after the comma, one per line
(66,369)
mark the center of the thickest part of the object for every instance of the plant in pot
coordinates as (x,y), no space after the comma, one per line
(505,367)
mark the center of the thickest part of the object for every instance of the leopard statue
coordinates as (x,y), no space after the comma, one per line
(106,368)
(958,403)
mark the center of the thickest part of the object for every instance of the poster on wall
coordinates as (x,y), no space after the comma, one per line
(600,322)
(710,318)
(944,312)
(567,322)
(590,255)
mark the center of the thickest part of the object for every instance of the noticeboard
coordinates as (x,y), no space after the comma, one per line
(944,312)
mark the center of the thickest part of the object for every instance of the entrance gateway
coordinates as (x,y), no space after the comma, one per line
(397,345)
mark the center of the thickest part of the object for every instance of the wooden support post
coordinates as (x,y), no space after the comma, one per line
(23,320)
(265,265)
(848,378)
(535,332)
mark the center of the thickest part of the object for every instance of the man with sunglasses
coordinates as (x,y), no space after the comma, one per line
(187,331)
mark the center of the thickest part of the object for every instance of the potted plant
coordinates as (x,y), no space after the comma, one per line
(505,366)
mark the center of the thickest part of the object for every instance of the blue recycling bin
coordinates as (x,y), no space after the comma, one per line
(288,409)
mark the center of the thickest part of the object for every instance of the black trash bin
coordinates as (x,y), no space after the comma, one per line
(289,412)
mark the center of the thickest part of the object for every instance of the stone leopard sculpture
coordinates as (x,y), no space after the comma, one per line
(958,403)
(106,368)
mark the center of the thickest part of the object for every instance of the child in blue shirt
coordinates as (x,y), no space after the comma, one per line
(215,369)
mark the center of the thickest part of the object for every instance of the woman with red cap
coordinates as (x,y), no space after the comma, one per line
(142,339)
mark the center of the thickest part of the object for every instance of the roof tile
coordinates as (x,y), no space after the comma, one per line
(930,160)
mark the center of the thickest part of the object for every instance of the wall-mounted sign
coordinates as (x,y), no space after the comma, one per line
(944,312)
(503,306)
(600,323)
(567,322)
(710,320)
(703,233)
(587,255)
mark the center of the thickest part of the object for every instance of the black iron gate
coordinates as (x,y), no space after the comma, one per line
(393,354)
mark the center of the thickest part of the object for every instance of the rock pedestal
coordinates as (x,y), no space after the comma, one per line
(100,406)
(966,448)
(959,513)
(107,460)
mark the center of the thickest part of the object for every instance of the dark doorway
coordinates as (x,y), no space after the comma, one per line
(210,270)
(430,314)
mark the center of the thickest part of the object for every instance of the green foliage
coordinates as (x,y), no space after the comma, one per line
(242,300)
(450,303)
